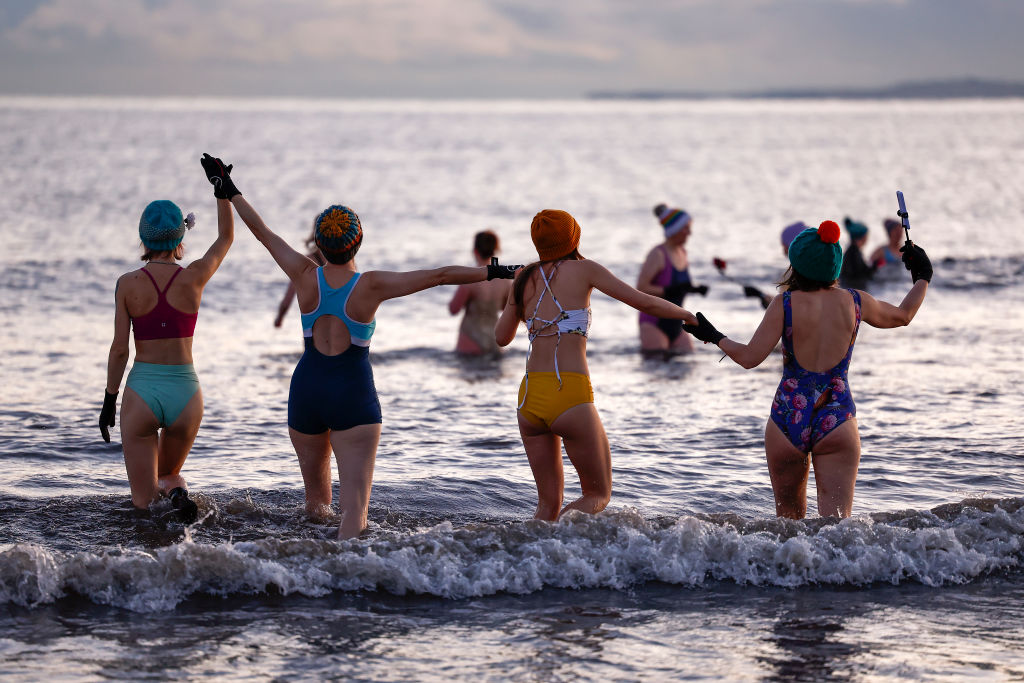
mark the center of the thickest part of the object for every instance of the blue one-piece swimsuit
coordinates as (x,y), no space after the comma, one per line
(808,405)
(333,392)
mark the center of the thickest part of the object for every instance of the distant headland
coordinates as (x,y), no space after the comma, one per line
(949,89)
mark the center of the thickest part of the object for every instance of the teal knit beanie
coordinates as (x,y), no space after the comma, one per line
(161,227)
(816,254)
(856,230)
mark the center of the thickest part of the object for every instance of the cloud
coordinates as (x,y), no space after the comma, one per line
(503,48)
(272,32)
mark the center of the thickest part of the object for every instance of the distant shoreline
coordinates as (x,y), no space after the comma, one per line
(941,90)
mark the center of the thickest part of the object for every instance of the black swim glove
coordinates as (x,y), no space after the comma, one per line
(496,272)
(755,293)
(698,289)
(704,330)
(917,262)
(219,176)
(107,413)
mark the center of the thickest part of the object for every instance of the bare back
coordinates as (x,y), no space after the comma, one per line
(571,286)
(140,297)
(823,324)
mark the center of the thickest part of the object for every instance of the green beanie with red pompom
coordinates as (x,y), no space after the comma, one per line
(816,254)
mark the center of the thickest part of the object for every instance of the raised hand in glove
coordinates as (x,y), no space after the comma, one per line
(107,414)
(704,330)
(698,289)
(219,176)
(917,262)
(495,271)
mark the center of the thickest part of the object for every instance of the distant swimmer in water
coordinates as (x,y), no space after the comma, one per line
(856,272)
(289,293)
(789,234)
(162,404)
(886,258)
(332,401)
(481,301)
(666,274)
(556,401)
(813,417)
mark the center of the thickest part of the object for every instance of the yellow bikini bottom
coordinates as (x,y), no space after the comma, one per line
(545,400)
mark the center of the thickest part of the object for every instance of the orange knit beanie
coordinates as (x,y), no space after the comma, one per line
(555,234)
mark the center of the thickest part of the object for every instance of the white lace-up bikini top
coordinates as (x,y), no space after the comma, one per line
(572,321)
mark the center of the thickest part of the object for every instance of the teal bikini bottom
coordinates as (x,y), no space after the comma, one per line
(166,389)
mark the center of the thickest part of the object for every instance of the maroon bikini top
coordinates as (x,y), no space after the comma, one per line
(164,321)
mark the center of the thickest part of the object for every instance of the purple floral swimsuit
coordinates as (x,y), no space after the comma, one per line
(809,405)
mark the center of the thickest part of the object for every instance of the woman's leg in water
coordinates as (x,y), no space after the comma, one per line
(356,452)
(788,468)
(652,340)
(544,451)
(176,443)
(836,459)
(589,452)
(314,453)
(140,441)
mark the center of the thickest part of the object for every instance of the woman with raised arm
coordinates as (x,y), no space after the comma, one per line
(163,404)
(813,417)
(332,402)
(556,401)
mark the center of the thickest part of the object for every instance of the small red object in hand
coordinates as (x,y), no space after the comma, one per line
(719,263)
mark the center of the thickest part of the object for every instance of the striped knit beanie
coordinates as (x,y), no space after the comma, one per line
(672,220)
(337,230)
(161,227)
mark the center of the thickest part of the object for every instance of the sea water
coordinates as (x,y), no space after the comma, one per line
(687,573)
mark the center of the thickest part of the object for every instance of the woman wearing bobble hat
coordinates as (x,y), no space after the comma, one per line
(813,417)
(162,404)
(666,274)
(332,400)
(556,401)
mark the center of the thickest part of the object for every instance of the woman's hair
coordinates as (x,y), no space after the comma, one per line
(795,282)
(486,243)
(519,284)
(149,254)
(341,257)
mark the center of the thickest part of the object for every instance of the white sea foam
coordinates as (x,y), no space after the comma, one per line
(614,550)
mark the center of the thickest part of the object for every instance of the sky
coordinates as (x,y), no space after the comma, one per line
(497,48)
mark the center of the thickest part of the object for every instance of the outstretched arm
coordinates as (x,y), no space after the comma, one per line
(602,279)
(383,285)
(765,338)
(292,262)
(219,174)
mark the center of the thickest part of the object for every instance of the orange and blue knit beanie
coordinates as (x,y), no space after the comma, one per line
(555,234)
(337,230)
